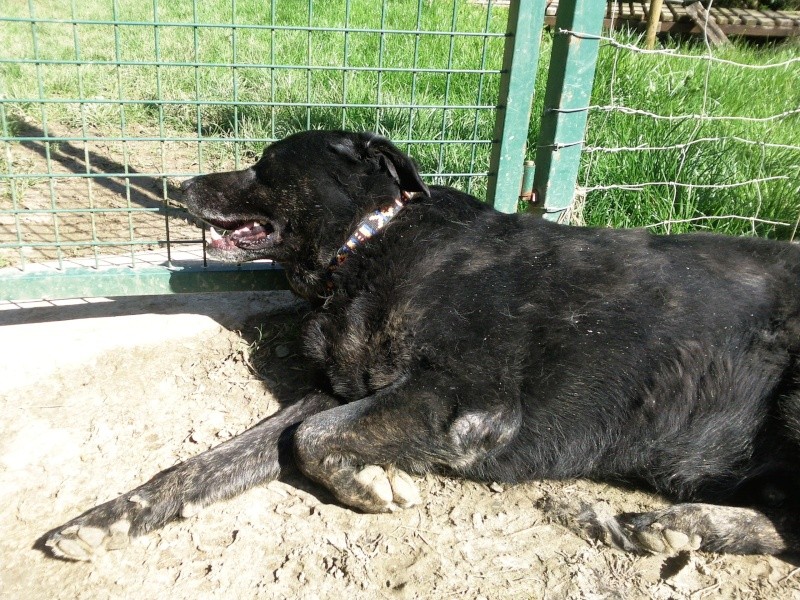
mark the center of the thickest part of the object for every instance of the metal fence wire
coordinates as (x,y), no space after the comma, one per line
(107,105)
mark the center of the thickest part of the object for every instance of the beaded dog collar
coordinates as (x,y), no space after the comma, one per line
(367,228)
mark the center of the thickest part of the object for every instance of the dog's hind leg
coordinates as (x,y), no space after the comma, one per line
(260,454)
(764,519)
(692,526)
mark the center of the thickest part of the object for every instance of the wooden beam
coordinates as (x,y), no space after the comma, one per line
(706,22)
(653,23)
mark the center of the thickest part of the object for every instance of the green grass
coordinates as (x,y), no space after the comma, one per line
(227,93)
(167,96)
(676,86)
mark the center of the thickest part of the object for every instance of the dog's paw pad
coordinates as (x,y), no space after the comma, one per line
(85,542)
(405,492)
(657,539)
(92,536)
(190,509)
(374,479)
(377,489)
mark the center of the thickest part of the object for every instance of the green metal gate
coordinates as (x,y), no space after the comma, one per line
(106,106)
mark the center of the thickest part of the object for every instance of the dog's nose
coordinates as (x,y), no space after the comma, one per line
(187,183)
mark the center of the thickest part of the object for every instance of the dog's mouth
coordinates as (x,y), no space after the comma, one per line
(248,235)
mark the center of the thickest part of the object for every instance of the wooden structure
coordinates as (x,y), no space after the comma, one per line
(677,17)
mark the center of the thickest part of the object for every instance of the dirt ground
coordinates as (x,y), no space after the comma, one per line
(76,436)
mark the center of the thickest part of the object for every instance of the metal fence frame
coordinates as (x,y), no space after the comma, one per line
(95,276)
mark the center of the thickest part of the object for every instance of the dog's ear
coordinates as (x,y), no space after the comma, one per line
(386,155)
(398,164)
(347,148)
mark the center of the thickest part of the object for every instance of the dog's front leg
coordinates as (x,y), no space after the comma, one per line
(260,454)
(362,450)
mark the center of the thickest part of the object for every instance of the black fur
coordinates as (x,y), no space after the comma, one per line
(505,348)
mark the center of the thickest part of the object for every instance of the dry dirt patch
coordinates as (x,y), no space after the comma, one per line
(101,192)
(85,434)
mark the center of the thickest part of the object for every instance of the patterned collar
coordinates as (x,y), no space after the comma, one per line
(368,227)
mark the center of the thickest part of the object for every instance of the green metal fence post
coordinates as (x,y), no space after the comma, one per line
(566,101)
(520,59)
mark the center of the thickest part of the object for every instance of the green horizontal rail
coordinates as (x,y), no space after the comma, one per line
(240,65)
(297,28)
(136,281)
(132,175)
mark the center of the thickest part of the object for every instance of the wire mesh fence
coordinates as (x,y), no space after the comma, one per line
(106,105)
(713,131)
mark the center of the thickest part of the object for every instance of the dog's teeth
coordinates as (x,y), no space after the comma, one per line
(214,234)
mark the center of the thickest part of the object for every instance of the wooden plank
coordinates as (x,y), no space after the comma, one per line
(763,32)
(793,16)
(747,19)
(676,19)
(754,17)
(729,15)
(638,11)
(699,15)
(667,14)
(779,20)
(676,15)
(720,16)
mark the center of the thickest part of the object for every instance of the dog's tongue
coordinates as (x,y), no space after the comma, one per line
(250,233)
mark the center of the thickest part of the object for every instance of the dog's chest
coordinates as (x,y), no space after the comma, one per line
(363,345)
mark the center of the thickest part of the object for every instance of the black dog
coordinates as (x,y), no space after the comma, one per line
(497,347)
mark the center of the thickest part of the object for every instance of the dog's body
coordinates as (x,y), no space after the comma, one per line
(503,348)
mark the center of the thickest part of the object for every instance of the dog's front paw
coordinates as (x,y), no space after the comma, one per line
(105,527)
(668,531)
(678,528)
(375,489)
(108,526)
(82,541)
(646,536)
(658,533)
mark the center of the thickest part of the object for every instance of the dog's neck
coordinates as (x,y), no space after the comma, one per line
(367,228)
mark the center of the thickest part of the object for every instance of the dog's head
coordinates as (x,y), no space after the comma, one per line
(298,203)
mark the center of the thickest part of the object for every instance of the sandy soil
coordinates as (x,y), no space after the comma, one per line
(83,435)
